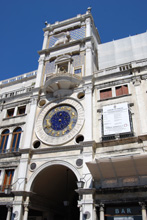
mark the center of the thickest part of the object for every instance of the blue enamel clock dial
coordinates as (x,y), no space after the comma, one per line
(60,120)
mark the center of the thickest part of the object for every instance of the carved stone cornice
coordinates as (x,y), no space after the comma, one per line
(12,125)
(113,83)
(76,21)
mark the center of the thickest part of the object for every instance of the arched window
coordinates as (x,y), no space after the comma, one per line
(15,139)
(4,140)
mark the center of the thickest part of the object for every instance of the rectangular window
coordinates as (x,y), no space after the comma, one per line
(121,90)
(10,112)
(105,94)
(21,110)
(7,179)
(77,71)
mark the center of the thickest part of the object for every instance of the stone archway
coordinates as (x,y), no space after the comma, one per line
(53,193)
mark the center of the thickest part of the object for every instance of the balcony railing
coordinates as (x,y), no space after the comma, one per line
(54,75)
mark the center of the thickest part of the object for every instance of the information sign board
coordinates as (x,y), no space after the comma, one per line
(116,119)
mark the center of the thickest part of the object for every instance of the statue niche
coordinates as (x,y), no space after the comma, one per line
(63,69)
(63,64)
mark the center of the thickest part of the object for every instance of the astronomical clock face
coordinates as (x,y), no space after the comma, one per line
(60,120)
(59,123)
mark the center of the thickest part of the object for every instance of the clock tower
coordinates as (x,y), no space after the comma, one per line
(74,132)
(63,134)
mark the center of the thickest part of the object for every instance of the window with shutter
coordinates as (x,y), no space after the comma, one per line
(15,139)
(121,90)
(105,94)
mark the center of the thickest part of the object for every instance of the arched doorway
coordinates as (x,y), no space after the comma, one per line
(53,194)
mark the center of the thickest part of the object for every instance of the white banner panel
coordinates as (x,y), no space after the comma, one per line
(116,119)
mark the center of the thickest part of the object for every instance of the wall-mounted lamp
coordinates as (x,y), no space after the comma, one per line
(8,188)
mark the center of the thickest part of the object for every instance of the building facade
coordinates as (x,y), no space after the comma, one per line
(73,139)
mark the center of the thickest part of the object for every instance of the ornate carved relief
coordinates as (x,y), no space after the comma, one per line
(63,38)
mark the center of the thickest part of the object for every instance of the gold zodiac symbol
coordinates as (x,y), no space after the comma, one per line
(48,124)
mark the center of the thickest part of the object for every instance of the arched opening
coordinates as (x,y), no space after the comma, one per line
(53,194)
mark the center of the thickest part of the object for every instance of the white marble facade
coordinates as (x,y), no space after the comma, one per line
(79,118)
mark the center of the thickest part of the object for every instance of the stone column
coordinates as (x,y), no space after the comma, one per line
(101,211)
(88,23)
(17,207)
(95,214)
(69,69)
(15,111)
(87,208)
(39,78)
(89,56)
(9,140)
(89,59)
(46,34)
(8,213)
(88,113)
(26,210)
(81,212)
(143,209)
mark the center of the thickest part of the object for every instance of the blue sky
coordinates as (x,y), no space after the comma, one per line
(21,24)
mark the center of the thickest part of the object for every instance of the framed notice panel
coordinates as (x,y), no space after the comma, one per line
(116,119)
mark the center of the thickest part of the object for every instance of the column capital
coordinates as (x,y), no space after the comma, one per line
(143,209)
(9,206)
(26,207)
(142,204)
(46,34)
(101,206)
(88,88)
(88,21)
(34,100)
(136,80)
(41,60)
(89,46)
